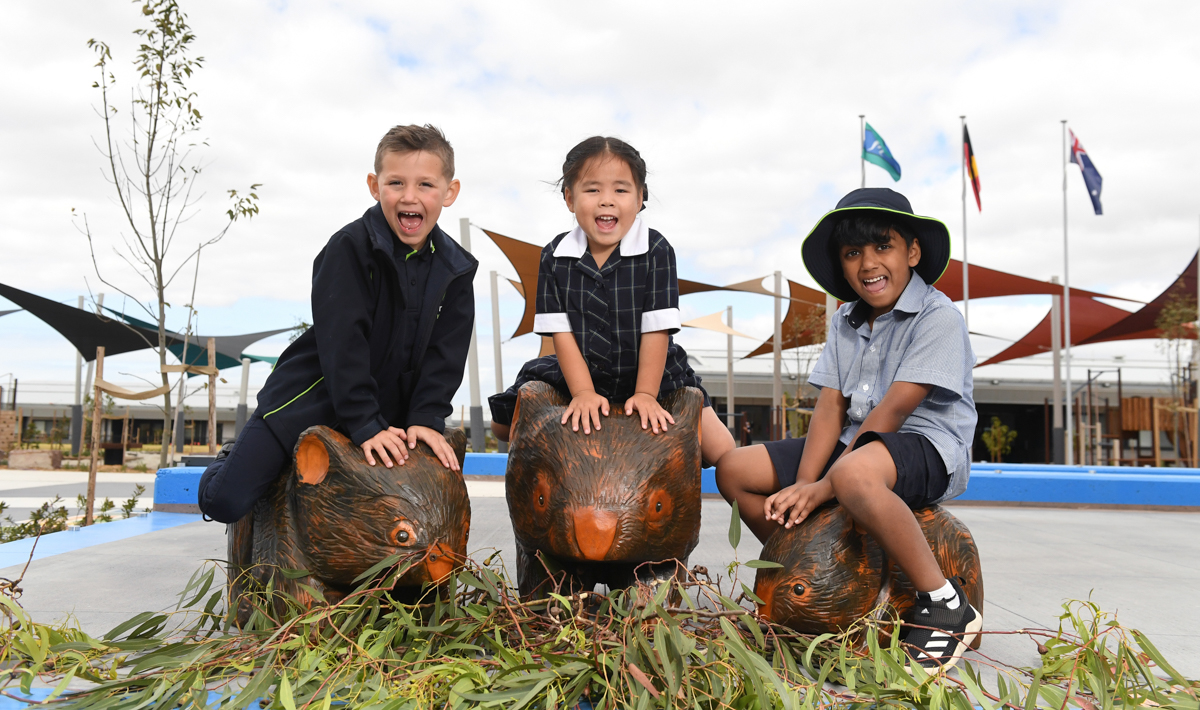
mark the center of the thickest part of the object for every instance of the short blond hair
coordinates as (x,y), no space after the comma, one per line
(412,139)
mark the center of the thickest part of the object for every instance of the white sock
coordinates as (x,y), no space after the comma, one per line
(947,594)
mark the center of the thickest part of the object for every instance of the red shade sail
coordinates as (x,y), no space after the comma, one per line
(1088,317)
(989,283)
(1141,323)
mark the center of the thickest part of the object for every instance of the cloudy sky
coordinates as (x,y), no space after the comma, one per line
(746,113)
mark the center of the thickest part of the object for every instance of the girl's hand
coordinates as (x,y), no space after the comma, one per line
(800,498)
(652,413)
(441,448)
(389,440)
(587,406)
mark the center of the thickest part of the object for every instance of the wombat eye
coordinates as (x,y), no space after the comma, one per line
(798,590)
(403,534)
(541,500)
(658,507)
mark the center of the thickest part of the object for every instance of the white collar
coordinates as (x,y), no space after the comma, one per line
(635,242)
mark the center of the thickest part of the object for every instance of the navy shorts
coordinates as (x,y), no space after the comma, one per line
(921,477)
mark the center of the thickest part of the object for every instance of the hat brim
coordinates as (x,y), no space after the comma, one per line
(931,233)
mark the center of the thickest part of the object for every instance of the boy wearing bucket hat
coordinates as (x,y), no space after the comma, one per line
(895,418)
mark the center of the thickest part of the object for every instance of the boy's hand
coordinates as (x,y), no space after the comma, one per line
(587,406)
(652,413)
(437,443)
(388,440)
(800,498)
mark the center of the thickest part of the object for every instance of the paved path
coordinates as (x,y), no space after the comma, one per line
(23,491)
(1143,565)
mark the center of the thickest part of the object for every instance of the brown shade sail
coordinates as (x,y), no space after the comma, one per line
(1141,323)
(1088,317)
(989,283)
(1096,322)
(804,322)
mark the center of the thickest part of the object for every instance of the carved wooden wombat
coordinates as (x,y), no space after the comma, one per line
(599,505)
(833,571)
(336,517)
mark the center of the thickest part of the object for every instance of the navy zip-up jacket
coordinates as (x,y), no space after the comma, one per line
(346,371)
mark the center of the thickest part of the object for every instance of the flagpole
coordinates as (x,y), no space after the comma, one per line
(862,138)
(1069,444)
(966,276)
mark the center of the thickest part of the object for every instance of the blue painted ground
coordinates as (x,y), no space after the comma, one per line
(16,553)
(1007,483)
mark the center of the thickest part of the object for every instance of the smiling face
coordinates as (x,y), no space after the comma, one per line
(879,273)
(412,188)
(605,200)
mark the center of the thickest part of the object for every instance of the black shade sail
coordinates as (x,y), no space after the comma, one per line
(87,331)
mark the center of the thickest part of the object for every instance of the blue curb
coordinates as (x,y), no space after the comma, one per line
(15,553)
(1006,483)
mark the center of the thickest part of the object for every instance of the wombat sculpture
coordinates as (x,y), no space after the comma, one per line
(834,572)
(335,516)
(601,505)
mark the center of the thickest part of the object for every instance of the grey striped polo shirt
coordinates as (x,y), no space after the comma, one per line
(923,339)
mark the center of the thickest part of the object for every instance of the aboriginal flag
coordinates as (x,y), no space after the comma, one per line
(972,169)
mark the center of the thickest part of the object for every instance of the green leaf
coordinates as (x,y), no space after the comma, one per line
(296,573)
(763,564)
(735,527)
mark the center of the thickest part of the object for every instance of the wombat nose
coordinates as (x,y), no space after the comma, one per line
(439,563)
(595,530)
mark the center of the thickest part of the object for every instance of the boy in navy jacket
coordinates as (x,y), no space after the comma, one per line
(393,306)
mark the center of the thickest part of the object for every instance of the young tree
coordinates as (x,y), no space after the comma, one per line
(998,439)
(1175,324)
(152,162)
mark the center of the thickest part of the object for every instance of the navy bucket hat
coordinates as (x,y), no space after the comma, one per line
(931,233)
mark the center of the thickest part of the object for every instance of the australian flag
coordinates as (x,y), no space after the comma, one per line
(1091,176)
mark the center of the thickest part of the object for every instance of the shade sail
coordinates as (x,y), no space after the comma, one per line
(803,324)
(87,331)
(1141,323)
(1088,317)
(713,322)
(84,329)
(989,283)
(229,347)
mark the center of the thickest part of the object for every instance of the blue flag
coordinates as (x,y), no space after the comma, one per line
(876,151)
(1091,176)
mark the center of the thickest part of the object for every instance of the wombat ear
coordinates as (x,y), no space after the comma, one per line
(533,399)
(686,405)
(312,457)
(457,439)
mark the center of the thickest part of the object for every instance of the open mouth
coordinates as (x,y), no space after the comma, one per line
(606,223)
(875,284)
(410,221)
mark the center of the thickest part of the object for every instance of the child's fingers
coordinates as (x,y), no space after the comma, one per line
(596,418)
(398,432)
(370,459)
(383,455)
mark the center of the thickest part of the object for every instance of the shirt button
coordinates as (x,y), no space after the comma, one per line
(858,412)
(866,387)
(872,348)
(414,282)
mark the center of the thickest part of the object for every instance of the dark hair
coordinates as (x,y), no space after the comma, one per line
(867,227)
(595,146)
(413,139)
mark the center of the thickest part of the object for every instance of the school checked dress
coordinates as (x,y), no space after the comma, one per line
(607,309)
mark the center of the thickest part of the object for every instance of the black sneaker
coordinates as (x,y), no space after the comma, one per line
(949,634)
